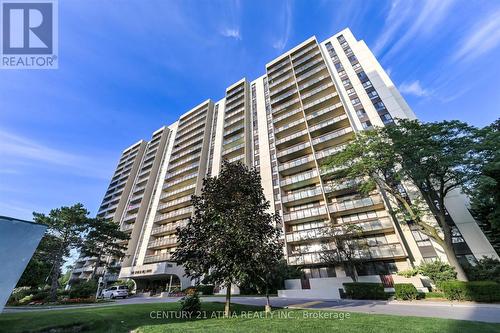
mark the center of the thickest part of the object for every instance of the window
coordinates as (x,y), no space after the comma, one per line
(362,76)
(355,101)
(379,106)
(351,91)
(346,82)
(366,124)
(361,113)
(373,94)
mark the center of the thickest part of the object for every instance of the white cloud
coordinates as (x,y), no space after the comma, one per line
(428,19)
(413,88)
(398,15)
(484,37)
(231,33)
(18,150)
(280,43)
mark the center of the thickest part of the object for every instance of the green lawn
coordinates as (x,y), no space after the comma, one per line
(124,318)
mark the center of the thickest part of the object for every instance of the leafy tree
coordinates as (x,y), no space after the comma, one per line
(486,269)
(39,267)
(268,272)
(66,226)
(103,239)
(371,160)
(438,158)
(485,192)
(437,271)
(229,226)
(344,247)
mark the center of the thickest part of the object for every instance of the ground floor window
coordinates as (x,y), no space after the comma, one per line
(377,268)
(319,272)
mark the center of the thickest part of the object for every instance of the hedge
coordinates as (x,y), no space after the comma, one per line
(205,289)
(480,291)
(360,290)
(405,291)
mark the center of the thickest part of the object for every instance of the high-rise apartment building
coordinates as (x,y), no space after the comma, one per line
(309,105)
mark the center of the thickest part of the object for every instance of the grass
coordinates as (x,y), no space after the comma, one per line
(137,318)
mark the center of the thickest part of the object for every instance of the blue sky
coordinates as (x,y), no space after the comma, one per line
(129,67)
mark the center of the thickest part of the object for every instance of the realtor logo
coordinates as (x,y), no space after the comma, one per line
(29,34)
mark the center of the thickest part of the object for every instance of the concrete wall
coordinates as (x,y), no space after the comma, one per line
(18,241)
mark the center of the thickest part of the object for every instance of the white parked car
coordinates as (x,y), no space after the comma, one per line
(116,291)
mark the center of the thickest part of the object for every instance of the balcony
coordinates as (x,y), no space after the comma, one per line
(310,73)
(303,51)
(157,258)
(237,148)
(175,215)
(299,180)
(356,205)
(291,115)
(174,194)
(283,96)
(301,197)
(311,106)
(180,181)
(284,106)
(275,67)
(293,138)
(313,82)
(234,130)
(229,123)
(183,163)
(180,202)
(316,91)
(294,125)
(169,228)
(333,138)
(329,151)
(305,215)
(306,235)
(294,151)
(185,152)
(185,169)
(341,187)
(328,125)
(275,83)
(127,227)
(305,59)
(186,144)
(296,165)
(303,68)
(162,242)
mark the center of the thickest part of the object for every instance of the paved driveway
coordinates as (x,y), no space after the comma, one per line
(464,311)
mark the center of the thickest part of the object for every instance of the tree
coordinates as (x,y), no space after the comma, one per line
(268,273)
(344,247)
(103,238)
(371,160)
(485,192)
(229,225)
(438,158)
(66,226)
(39,267)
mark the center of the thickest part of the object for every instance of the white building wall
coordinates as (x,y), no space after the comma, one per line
(156,198)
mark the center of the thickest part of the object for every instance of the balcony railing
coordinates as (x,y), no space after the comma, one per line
(302,195)
(356,203)
(296,162)
(157,257)
(299,177)
(331,135)
(169,227)
(305,214)
(174,214)
(162,241)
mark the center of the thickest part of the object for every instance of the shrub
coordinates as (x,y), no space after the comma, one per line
(408,273)
(83,289)
(360,290)
(129,283)
(437,271)
(40,296)
(486,269)
(191,303)
(405,291)
(18,294)
(206,289)
(433,295)
(480,291)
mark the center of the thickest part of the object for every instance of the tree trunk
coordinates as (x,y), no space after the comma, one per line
(227,306)
(268,303)
(450,252)
(354,273)
(94,271)
(54,275)
(447,244)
